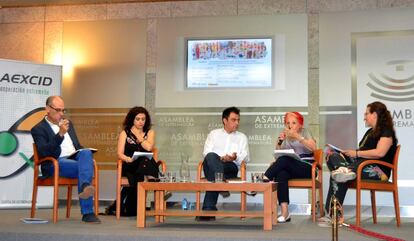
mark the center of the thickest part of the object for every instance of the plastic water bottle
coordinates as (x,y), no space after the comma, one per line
(184,204)
(191,206)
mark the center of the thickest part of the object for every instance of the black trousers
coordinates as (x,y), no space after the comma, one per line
(285,168)
(135,172)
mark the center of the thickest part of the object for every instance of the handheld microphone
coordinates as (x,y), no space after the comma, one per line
(280,142)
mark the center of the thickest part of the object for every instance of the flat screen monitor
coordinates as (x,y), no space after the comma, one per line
(229,63)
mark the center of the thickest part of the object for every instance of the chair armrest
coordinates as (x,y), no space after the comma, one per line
(316,169)
(119,163)
(317,165)
(46,159)
(163,165)
(119,169)
(243,170)
(199,169)
(368,162)
(54,162)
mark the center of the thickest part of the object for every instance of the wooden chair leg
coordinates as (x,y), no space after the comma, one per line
(55,201)
(96,196)
(34,199)
(313,204)
(321,207)
(118,200)
(68,201)
(96,200)
(396,207)
(373,206)
(358,207)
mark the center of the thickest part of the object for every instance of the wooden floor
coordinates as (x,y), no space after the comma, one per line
(183,228)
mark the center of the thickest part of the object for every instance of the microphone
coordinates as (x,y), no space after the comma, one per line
(280,142)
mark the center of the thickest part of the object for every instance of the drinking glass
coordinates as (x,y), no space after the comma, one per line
(218,177)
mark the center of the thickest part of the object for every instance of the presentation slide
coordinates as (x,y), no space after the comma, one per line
(229,63)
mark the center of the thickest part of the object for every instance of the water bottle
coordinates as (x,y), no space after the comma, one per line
(184,204)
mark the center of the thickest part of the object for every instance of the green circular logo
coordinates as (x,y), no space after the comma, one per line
(8,143)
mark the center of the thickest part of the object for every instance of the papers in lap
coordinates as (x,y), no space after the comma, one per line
(286,152)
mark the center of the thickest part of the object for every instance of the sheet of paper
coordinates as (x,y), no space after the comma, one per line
(33,220)
(285,152)
(72,155)
(337,149)
(138,154)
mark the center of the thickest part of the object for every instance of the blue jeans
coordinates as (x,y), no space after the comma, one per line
(81,168)
(211,165)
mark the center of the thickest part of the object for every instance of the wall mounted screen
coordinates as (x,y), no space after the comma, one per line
(229,63)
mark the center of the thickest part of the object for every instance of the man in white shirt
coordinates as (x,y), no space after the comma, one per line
(55,136)
(224,150)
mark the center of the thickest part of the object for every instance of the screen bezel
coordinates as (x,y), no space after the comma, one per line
(272,59)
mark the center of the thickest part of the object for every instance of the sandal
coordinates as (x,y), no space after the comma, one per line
(326,221)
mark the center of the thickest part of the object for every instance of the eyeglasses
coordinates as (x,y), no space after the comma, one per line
(58,109)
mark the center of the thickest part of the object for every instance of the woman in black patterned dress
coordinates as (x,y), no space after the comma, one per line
(136,135)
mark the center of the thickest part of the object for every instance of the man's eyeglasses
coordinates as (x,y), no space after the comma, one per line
(58,109)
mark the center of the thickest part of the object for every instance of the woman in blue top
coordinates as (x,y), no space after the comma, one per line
(295,137)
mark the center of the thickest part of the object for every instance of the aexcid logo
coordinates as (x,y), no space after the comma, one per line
(9,141)
(397,85)
(26,79)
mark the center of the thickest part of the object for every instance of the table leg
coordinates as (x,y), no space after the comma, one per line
(267,209)
(161,205)
(156,204)
(141,212)
(274,207)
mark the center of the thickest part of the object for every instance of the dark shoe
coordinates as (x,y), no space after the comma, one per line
(87,191)
(225,194)
(167,196)
(108,212)
(90,218)
(170,204)
(205,218)
(147,208)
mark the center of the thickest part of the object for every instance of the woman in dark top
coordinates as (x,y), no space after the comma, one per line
(137,135)
(379,142)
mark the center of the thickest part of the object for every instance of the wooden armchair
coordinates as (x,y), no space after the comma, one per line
(57,181)
(123,181)
(316,182)
(373,185)
(242,177)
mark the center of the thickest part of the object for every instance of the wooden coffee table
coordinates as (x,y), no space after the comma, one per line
(269,212)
